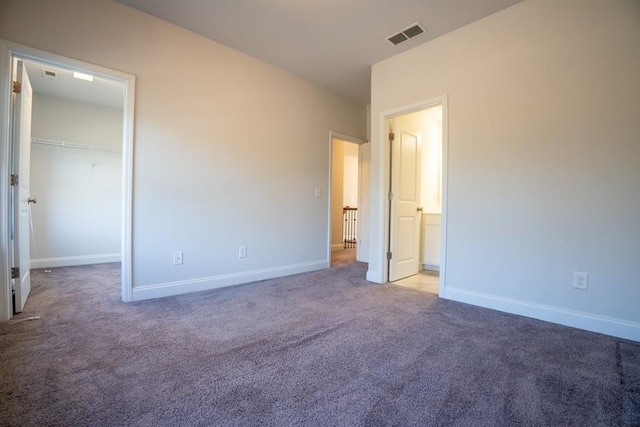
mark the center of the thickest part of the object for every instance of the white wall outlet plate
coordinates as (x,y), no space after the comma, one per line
(581,280)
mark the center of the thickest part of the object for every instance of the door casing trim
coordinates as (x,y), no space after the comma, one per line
(9,51)
(385,165)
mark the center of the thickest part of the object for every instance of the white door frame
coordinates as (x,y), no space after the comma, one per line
(385,117)
(344,137)
(8,51)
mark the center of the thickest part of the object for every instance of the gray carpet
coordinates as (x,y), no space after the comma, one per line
(318,349)
(342,257)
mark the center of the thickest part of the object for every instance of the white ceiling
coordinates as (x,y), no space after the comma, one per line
(329,42)
(101,91)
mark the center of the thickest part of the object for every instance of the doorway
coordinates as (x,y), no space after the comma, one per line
(102,144)
(348,212)
(415,204)
(76,168)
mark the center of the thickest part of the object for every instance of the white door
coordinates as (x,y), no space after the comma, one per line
(406,212)
(364,166)
(21,162)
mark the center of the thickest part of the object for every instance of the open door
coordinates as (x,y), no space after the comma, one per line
(364,203)
(20,187)
(406,212)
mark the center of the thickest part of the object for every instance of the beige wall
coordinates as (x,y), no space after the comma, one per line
(543,161)
(228,150)
(350,179)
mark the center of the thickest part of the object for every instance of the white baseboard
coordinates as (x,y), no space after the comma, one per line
(374,276)
(206,283)
(67,261)
(590,322)
(430,267)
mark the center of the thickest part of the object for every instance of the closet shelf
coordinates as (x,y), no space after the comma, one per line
(73,145)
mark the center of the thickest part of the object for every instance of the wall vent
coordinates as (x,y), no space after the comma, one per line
(406,34)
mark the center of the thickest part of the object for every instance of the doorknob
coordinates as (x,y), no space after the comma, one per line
(419,209)
(32,200)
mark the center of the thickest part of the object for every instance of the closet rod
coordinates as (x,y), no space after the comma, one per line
(73,145)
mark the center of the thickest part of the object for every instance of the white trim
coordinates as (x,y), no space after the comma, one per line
(348,138)
(67,261)
(126,237)
(206,283)
(373,276)
(6,309)
(381,275)
(430,267)
(445,195)
(590,322)
(10,50)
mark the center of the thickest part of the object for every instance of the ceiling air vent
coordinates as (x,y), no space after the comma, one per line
(406,34)
(49,74)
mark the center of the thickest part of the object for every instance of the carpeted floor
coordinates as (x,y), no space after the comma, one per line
(318,349)
(342,257)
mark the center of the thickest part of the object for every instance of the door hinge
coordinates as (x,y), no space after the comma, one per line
(17,87)
(389,256)
(14,180)
(390,196)
(15,272)
(392,136)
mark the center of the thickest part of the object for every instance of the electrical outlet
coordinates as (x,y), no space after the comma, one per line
(242,252)
(177,257)
(580,280)
(318,193)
